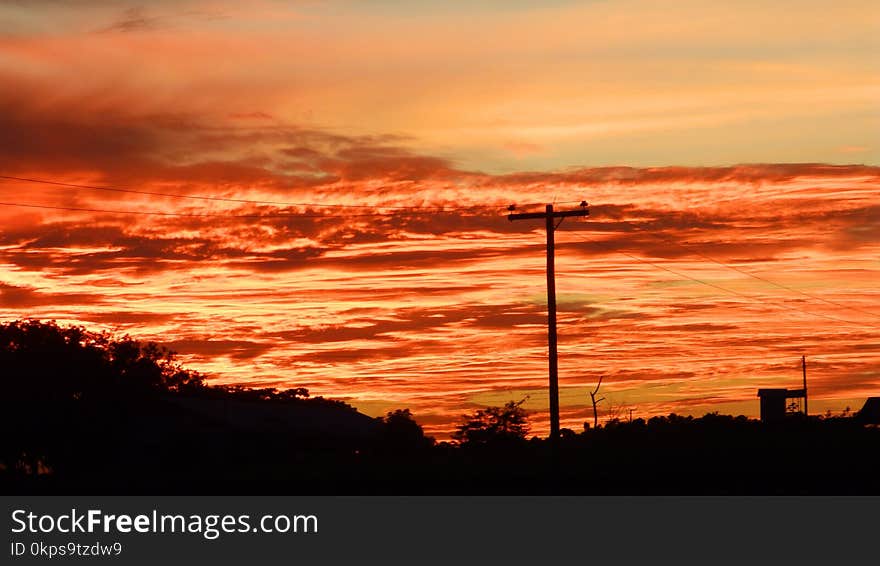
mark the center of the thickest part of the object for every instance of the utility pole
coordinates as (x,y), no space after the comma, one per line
(804,368)
(549,217)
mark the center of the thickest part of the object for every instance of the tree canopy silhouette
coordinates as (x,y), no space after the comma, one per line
(492,425)
(77,362)
(401,432)
(63,383)
(86,406)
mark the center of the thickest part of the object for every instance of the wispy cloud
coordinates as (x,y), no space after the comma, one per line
(132,20)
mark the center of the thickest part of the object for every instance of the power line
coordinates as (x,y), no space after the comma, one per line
(189,215)
(731,291)
(749,274)
(194,197)
(250,201)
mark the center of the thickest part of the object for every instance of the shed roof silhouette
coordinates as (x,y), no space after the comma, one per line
(870,413)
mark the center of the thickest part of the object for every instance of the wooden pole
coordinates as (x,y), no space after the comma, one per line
(551,324)
(549,217)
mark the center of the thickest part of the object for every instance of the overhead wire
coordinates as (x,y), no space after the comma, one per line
(190,215)
(436,208)
(731,291)
(748,273)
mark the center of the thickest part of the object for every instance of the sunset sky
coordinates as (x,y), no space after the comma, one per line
(310,193)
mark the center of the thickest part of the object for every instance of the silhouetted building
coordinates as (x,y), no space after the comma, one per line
(870,413)
(774,402)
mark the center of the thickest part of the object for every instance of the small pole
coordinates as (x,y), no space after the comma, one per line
(804,368)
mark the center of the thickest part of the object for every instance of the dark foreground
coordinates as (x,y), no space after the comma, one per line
(714,455)
(85,413)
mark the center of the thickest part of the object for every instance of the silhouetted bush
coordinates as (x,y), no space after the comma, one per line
(494,425)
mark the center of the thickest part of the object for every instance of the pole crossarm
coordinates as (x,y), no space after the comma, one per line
(548,216)
(542,215)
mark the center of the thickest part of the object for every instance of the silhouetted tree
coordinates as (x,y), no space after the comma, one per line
(614,411)
(401,432)
(494,424)
(67,385)
(596,402)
